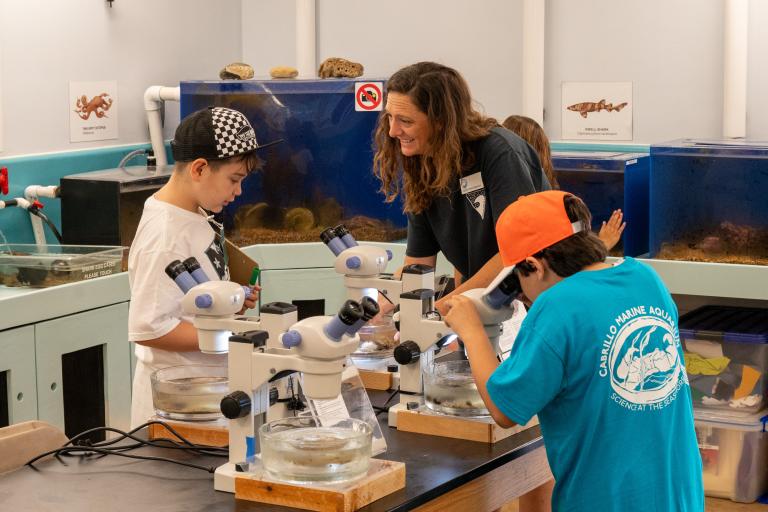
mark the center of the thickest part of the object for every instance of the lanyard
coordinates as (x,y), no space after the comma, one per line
(218,232)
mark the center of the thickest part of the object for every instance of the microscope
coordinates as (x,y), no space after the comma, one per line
(423,333)
(363,268)
(263,351)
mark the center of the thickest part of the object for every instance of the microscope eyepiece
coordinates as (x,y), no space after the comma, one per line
(327,235)
(191,264)
(175,268)
(341,230)
(341,323)
(511,285)
(194,268)
(370,308)
(505,292)
(332,240)
(346,237)
(178,272)
(350,312)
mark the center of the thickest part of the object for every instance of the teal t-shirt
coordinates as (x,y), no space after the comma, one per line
(599,359)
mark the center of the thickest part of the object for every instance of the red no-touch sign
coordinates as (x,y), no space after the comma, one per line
(368,96)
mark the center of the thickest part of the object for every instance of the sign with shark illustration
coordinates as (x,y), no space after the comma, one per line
(597,111)
(92,111)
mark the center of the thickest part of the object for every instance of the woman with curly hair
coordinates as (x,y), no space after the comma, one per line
(455,169)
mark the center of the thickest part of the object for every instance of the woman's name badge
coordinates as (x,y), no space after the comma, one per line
(472,188)
(471,183)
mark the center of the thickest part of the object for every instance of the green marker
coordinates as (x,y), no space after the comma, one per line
(255,276)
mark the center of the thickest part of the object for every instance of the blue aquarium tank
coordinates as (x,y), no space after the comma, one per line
(708,201)
(319,176)
(606,182)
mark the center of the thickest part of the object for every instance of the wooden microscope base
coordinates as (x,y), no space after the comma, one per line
(384,477)
(484,430)
(380,380)
(208,433)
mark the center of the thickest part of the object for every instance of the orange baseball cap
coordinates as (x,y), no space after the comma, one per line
(530,224)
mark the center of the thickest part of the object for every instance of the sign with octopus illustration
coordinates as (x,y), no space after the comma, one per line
(597,111)
(93,111)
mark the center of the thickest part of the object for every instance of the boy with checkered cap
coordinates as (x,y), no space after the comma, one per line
(214,150)
(598,359)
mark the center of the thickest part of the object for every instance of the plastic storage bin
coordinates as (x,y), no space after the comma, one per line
(726,356)
(319,176)
(29,265)
(734,455)
(707,201)
(607,182)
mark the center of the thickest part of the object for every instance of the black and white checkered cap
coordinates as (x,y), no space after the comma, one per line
(233,133)
(214,133)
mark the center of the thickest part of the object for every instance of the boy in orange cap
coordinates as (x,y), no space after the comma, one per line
(598,359)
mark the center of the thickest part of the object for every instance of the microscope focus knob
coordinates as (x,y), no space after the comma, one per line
(353,262)
(291,339)
(236,405)
(407,352)
(204,301)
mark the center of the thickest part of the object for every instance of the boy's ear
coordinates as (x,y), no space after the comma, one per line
(195,168)
(540,266)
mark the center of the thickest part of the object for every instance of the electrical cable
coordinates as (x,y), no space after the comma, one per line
(77,446)
(36,211)
(130,156)
(382,294)
(383,408)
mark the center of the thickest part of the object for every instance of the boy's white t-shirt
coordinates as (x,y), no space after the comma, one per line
(165,233)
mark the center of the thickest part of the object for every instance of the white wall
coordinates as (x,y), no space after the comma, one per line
(757,79)
(672,51)
(480,39)
(48,43)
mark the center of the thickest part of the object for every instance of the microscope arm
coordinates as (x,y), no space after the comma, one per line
(322,379)
(234,324)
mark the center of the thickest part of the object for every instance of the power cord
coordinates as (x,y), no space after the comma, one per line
(36,211)
(384,408)
(294,403)
(80,446)
(382,294)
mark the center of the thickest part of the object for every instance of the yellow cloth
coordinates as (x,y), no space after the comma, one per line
(697,365)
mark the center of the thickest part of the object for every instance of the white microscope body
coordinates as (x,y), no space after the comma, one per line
(363,268)
(421,334)
(266,350)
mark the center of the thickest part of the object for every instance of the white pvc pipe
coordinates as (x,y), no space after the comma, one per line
(33,192)
(38,231)
(154,97)
(533,59)
(736,21)
(306,42)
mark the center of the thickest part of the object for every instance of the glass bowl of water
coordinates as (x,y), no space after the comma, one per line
(298,449)
(449,388)
(189,392)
